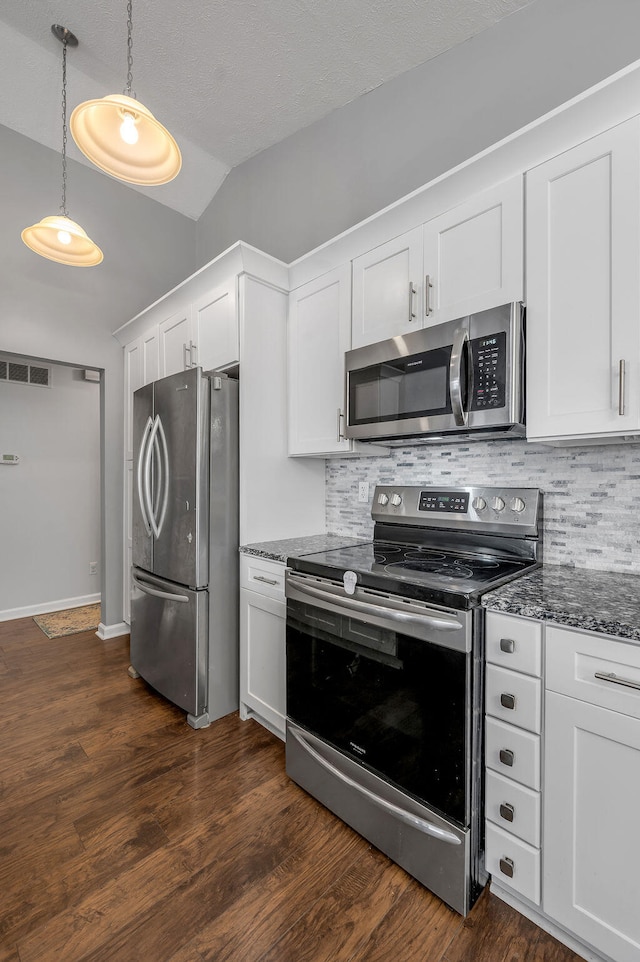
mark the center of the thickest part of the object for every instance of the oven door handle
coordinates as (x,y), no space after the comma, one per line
(366,608)
(460,338)
(421,824)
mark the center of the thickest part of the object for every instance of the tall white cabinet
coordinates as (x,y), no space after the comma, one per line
(583,295)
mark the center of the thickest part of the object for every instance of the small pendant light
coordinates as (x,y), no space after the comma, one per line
(58,237)
(122,137)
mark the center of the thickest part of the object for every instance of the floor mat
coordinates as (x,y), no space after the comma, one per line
(70,621)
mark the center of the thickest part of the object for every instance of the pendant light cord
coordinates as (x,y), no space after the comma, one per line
(129,49)
(63,206)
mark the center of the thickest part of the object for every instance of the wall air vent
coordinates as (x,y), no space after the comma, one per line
(21,372)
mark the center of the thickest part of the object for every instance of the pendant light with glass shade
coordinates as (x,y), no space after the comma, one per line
(122,137)
(58,237)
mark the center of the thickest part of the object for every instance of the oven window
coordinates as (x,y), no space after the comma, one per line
(415,386)
(394,703)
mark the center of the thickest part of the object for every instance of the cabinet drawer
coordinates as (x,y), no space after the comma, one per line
(574,658)
(513,753)
(262,575)
(514,697)
(514,643)
(513,863)
(513,808)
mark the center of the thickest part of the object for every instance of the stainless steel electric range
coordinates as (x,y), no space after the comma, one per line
(385,665)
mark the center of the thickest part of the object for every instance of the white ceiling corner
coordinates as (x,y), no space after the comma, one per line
(227,79)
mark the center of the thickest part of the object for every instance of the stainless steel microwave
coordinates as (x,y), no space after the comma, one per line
(459,380)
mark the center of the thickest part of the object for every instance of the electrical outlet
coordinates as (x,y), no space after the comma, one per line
(363,491)
(93,567)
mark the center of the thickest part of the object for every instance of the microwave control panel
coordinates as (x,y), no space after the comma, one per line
(489,357)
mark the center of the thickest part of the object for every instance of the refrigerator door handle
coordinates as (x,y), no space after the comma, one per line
(151,444)
(165,475)
(141,465)
(157,592)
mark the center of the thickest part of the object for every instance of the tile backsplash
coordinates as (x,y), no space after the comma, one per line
(591,507)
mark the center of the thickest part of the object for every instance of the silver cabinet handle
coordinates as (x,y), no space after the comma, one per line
(427,286)
(507,811)
(193,348)
(340,416)
(506,757)
(617,680)
(506,867)
(508,645)
(621,367)
(507,701)
(460,337)
(185,364)
(157,592)
(412,291)
(267,581)
(429,828)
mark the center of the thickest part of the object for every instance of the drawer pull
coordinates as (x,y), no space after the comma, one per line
(267,581)
(506,867)
(507,811)
(616,680)
(506,757)
(507,701)
(508,645)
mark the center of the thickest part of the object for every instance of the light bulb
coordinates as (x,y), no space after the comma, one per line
(128,130)
(64,236)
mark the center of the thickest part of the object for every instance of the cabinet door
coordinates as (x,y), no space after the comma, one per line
(262,659)
(583,290)
(318,335)
(591,838)
(133,356)
(387,290)
(473,254)
(150,355)
(175,339)
(215,328)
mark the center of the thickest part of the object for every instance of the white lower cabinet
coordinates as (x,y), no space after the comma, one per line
(262,642)
(513,702)
(592,791)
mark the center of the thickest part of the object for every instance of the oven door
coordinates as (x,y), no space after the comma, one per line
(380,709)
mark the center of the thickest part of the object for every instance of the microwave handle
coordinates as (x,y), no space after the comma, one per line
(460,338)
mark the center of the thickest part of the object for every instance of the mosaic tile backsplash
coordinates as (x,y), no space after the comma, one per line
(591,508)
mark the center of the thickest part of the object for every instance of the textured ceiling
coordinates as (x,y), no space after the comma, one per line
(228,79)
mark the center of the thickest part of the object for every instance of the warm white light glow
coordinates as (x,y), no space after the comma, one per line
(64,236)
(128,130)
(61,239)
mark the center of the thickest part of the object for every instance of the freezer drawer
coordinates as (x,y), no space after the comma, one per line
(169,639)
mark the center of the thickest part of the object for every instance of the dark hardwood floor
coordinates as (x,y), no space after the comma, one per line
(125,835)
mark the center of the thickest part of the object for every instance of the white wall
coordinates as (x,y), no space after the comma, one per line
(317,183)
(67,314)
(51,499)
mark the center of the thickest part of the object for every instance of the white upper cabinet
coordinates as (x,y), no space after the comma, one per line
(215,328)
(387,290)
(318,336)
(473,254)
(465,260)
(583,290)
(176,342)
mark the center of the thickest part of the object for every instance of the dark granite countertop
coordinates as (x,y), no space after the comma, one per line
(607,602)
(296,547)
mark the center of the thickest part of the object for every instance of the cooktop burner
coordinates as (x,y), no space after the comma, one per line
(423,550)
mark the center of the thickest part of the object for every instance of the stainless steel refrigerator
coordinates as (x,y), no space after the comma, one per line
(184,600)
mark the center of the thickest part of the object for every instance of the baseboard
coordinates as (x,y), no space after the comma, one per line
(105,632)
(10,614)
(535,915)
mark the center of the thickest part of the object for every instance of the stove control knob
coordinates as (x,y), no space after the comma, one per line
(497,504)
(383,499)
(479,504)
(517,504)
(396,500)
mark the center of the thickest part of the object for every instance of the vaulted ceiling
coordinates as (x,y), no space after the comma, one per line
(227,79)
